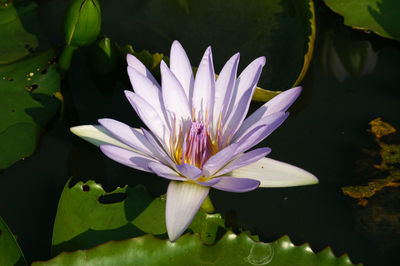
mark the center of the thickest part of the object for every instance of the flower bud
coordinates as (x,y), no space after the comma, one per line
(82,22)
(103,57)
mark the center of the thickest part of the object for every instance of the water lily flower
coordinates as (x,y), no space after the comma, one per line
(198,135)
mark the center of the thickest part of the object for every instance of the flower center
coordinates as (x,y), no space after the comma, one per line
(195,145)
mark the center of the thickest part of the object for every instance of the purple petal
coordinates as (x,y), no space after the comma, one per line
(246,81)
(174,96)
(189,171)
(209,183)
(182,69)
(237,116)
(136,64)
(245,159)
(164,171)
(183,201)
(219,160)
(125,157)
(273,173)
(259,133)
(127,135)
(158,150)
(279,103)
(223,88)
(233,184)
(204,87)
(149,116)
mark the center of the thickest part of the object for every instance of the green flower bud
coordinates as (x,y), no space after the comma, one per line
(103,58)
(82,22)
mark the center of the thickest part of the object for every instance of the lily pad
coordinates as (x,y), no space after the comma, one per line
(27,104)
(381,17)
(28,81)
(10,253)
(18,31)
(88,216)
(280,30)
(231,249)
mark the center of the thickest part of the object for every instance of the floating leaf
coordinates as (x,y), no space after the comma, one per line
(88,216)
(390,160)
(27,104)
(231,249)
(18,31)
(28,81)
(381,17)
(10,253)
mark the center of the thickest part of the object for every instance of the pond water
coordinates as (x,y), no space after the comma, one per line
(325,134)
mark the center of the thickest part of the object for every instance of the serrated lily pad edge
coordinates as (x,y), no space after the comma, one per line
(284,241)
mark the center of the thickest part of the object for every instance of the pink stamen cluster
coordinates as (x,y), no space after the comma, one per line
(197,146)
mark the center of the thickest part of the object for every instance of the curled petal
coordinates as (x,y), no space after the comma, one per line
(273,173)
(98,135)
(126,157)
(233,184)
(183,201)
(164,171)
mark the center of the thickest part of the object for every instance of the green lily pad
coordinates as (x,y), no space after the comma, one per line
(28,81)
(18,31)
(10,253)
(231,249)
(27,104)
(255,29)
(381,17)
(88,216)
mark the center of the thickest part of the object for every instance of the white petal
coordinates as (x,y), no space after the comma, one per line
(97,135)
(174,97)
(273,173)
(204,87)
(136,64)
(181,67)
(183,201)
(143,87)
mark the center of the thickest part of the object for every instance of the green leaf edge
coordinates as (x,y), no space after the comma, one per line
(83,257)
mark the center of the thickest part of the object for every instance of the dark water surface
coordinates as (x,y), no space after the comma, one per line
(325,134)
